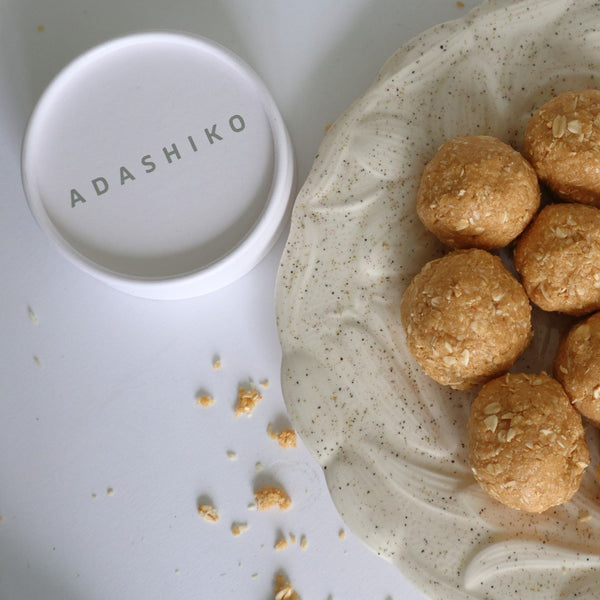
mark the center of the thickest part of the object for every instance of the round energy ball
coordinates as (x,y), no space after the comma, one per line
(477,192)
(526,442)
(562,142)
(577,367)
(558,258)
(466,318)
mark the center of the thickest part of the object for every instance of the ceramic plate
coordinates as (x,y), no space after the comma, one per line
(392,442)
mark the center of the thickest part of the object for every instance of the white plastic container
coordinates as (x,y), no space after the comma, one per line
(159,164)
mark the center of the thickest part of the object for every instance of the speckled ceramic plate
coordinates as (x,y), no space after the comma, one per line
(391,442)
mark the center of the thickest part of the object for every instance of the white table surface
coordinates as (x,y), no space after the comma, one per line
(98,390)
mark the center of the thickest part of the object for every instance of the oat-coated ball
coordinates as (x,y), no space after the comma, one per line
(558,258)
(562,142)
(477,192)
(577,367)
(466,318)
(526,442)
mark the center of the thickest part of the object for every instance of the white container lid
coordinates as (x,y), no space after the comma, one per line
(160,164)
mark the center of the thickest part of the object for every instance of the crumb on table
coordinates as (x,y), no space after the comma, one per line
(247,400)
(204,400)
(270,497)
(32,316)
(285,438)
(283,589)
(208,513)
(238,528)
(281,544)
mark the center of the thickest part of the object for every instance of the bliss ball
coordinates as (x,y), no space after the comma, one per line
(526,442)
(466,318)
(562,142)
(577,367)
(558,258)
(477,192)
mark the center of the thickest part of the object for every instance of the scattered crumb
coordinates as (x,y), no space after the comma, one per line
(216,363)
(292,538)
(41,28)
(231,455)
(265,383)
(303,542)
(460,4)
(37,361)
(247,400)
(32,316)
(0,518)
(281,544)
(283,589)
(239,528)
(110,491)
(342,534)
(327,127)
(584,516)
(208,513)
(204,400)
(94,495)
(254,575)
(285,438)
(258,466)
(272,497)
(176,571)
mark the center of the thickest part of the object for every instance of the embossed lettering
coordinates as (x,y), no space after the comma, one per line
(147,162)
(100,185)
(170,153)
(125,175)
(212,135)
(76,197)
(237,123)
(215,133)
